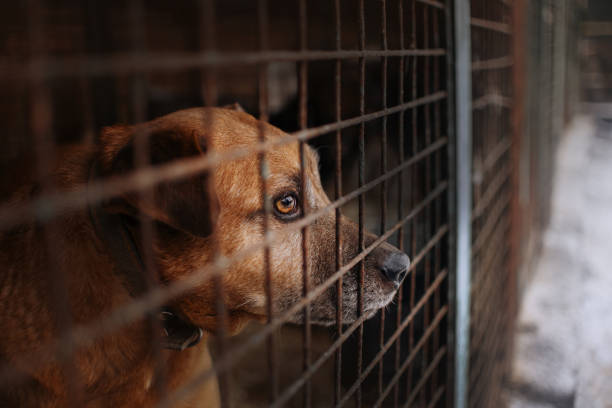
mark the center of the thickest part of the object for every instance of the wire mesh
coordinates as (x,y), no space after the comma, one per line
(364,83)
(492,304)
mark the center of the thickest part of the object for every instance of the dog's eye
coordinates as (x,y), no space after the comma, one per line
(286,205)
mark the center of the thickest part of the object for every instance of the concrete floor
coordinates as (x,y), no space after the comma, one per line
(563,352)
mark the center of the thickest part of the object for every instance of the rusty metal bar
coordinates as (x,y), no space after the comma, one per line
(272,359)
(146,226)
(491,100)
(119,64)
(400,193)
(56,279)
(361,182)
(433,3)
(491,25)
(427,180)
(383,170)
(413,178)
(494,63)
(338,213)
(303,123)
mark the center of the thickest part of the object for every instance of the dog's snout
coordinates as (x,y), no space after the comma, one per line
(395,266)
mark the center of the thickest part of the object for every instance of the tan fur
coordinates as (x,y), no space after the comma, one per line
(117,369)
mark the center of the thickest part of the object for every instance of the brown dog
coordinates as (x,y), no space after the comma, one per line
(96,248)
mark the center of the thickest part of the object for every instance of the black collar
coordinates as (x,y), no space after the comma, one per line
(113,231)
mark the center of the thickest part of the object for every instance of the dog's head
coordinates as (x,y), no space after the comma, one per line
(221,213)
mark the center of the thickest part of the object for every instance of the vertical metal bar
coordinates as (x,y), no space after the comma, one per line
(383,170)
(361,196)
(141,159)
(208,41)
(303,122)
(41,111)
(519,30)
(400,195)
(338,214)
(427,210)
(463,103)
(437,179)
(451,203)
(413,178)
(262,13)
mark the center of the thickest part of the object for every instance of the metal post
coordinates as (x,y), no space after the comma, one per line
(463,103)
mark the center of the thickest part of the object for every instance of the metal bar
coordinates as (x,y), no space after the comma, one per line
(361,182)
(400,192)
(51,204)
(414,181)
(491,25)
(272,360)
(427,181)
(433,3)
(146,226)
(491,100)
(383,170)
(451,156)
(338,214)
(55,277)
(493,63)
(119,64)
(303,123)
(463,83)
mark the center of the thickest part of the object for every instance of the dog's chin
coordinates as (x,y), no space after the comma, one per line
(371,307)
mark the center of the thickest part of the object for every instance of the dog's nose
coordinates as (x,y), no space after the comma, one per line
(395,267)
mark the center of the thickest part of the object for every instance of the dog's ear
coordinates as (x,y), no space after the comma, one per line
(188,204)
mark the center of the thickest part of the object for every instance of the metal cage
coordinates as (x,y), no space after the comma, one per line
(372,87)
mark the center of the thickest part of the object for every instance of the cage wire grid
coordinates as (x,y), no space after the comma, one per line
(368,84)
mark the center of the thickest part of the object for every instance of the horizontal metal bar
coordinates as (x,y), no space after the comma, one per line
(143,62)
(491,99)
(491,25)
(52,204)
(494,63)
(426,375)
(433,3)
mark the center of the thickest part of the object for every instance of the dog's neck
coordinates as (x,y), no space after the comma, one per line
(117,233)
